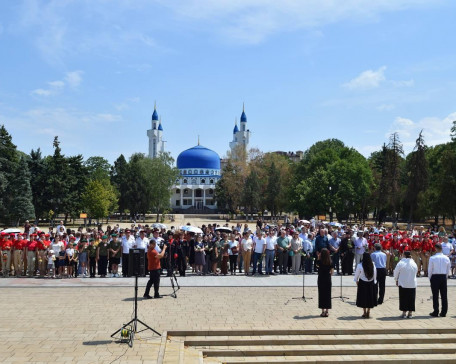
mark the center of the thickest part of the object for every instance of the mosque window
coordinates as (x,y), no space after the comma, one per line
(178,202)
(210,191)
(195,171)
(203,181)
(185,180)
(193,181)
(185,172)
(211,181)
(212,172)
(207,171)
(178,190)
(201,171)
(189,172)
(186,191)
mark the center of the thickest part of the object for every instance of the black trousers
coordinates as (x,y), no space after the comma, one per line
(439,285)
(92,266)
(233,263)
(125,265)
(283,261)
(155,280)
(380,286)
(102,265)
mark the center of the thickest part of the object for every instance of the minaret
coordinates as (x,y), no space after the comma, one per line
(156,143)
(241,135)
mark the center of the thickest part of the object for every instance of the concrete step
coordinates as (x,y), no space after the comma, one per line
(202,341)
(353,359)
(317,350)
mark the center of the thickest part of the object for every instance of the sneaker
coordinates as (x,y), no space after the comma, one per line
(409,315)
(403,315)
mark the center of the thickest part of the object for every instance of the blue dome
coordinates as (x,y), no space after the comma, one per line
(198,157)
(155,115)
(236,129)
(160,127)
(243,117)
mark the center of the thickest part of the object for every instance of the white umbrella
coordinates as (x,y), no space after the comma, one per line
(191,229)
(305,221)
(159,226)
(11,231)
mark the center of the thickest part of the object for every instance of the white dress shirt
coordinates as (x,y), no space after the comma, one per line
(446,248)
(307,246)
(359,274)
(247,244)
(142,243)
(127,244)
(271,242)
(360,245)
(439,264)
(405,273)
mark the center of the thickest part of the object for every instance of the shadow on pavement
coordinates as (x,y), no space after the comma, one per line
(97,342)
(308,317)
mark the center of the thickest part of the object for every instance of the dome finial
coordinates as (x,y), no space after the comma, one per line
(198,140)
(243,108)
(155,105)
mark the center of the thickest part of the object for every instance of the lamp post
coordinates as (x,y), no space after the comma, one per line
(330,211)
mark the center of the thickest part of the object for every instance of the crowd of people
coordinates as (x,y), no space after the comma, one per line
(267,249)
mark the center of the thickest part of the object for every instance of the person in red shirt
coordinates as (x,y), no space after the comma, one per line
(386,248)
(31,255)
(426,250)
(18,255)
(416,252)
(395,251)
(154,269)
(6,247)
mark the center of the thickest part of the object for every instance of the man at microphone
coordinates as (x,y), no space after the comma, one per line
(154,267)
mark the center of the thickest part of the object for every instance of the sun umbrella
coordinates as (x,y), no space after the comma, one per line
(305,221)
(191,229)
(159,226)
(223,229)
(11,231)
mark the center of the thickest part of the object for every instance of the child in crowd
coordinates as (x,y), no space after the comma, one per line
(50,264)
(453,262)
(62,261)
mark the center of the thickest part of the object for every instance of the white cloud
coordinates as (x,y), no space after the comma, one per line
(367,79)
(385,107)
(435,130)
(74,78)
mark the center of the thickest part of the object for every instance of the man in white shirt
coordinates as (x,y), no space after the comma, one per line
(142,242)
(259,248)
(127,243)
(271,243)
(360,247)
(438,272)
(447,247)
(405,276)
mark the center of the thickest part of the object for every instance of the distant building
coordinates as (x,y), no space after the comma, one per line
(293,156)
(156,143)
(241,135)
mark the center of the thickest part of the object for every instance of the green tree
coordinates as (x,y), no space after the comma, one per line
(8,166)
(37,169)
(58,181)
(251,193)
(77,180)
(22,202)
(119,179)
(417,168)
(99,198)
(158,175)
(98,168)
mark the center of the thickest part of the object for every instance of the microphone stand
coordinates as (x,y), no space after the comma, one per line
(341,297)
(304,298)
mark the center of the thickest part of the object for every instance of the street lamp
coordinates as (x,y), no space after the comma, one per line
(330,211)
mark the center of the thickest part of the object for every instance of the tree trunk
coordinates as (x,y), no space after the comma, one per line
(66,218)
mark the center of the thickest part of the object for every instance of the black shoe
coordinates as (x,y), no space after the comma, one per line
(442,315)
(434,314)
(272,274)
(147,297)
(261,273)
(158,296)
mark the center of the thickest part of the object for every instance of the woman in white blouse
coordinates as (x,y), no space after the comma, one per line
(405,276)
(365,278)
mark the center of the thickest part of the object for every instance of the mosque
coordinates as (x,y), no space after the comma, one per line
(199,167)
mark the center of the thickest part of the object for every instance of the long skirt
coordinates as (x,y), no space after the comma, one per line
(407,299)
(365,296)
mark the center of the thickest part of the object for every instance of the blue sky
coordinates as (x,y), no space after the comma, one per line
(90,71)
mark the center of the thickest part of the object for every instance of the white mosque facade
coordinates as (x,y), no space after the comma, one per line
(199,167)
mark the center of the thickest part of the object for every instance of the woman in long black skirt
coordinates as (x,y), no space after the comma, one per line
(325,271)
(365,278)
(405,276)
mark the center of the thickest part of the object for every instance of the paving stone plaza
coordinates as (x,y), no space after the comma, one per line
(70,321)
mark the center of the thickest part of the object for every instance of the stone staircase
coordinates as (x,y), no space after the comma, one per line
(395,345)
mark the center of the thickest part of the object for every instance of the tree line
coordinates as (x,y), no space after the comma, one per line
(333,179)
(33,186)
